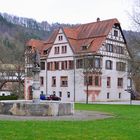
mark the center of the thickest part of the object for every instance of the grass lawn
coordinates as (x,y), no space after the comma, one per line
(124,126)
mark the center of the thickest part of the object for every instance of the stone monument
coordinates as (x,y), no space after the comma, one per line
(36,107)
(36,71)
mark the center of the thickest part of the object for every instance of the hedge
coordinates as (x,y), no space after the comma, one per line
(9,97)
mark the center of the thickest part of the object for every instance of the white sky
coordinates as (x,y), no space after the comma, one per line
(70,11)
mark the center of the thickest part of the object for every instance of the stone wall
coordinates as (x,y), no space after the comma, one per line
(28,108)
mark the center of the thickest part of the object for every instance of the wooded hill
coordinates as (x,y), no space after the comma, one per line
(15,31)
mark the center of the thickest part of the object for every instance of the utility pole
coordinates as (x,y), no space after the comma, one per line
(88,65)
(87,88)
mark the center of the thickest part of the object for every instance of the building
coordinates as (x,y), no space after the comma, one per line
(87,62)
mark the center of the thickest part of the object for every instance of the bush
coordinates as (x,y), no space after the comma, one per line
(9,97)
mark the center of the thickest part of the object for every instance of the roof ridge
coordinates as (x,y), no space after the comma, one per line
(76,26)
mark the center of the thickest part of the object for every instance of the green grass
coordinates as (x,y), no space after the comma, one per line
(124,126)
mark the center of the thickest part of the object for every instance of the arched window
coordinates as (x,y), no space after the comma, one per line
(109,64)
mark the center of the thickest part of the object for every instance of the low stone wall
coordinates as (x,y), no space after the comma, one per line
(43,108)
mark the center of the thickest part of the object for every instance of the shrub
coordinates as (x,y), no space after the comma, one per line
(9,97)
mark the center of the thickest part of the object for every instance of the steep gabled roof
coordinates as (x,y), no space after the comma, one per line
(35,43)
(95,29)
(90,34)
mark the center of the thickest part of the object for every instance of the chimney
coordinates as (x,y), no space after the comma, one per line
(98,19)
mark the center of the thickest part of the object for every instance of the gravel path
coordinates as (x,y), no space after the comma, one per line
(78,115)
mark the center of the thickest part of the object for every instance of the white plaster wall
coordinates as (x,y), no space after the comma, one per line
(69,51)
(114,90)
(58,74)
(43,74)
(59,44)
(79,86)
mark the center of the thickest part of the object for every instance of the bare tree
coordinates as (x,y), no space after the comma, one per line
(134,44)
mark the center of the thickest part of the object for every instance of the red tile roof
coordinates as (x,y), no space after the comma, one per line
(35,43)
(91,35)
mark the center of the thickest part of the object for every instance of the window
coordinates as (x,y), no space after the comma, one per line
(84,47)
(120,82)
(88,80)
(108,82)
(119,50)
(97,62)
(108,64)
(64,81)
(120,66)
(109,47)
(60,37)
(60,94)
(64,49)
(108,95)
(68,94)
(88,62)
(79,63)
(71,64)
(119,95)
(56,65)
(64,65)
(97,81)
(42,65)
(50,66)
(115,33)
(41,81)
(56,50)
(53,81)
(45,51)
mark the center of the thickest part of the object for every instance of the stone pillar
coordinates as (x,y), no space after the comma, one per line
(36,85)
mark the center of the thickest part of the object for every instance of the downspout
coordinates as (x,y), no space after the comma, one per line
(46,78)
(74,77)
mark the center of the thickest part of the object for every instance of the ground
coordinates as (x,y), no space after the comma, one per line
(78,115)
(124,125)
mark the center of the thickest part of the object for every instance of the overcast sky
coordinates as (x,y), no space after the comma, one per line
(70,11)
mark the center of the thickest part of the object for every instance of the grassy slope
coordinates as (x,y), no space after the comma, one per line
(124,126)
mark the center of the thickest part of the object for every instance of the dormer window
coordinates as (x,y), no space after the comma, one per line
(115,33)
(84,47)
(60,37)
(45,51)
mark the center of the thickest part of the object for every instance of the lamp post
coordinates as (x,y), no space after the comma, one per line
(88,65)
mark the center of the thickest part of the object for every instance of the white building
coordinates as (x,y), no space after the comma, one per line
(84,62)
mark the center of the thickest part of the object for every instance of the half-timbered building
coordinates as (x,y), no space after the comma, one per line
(87,62)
